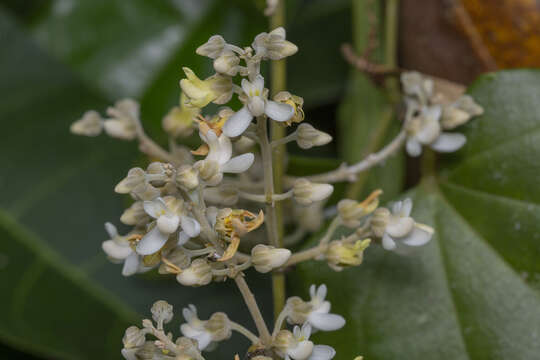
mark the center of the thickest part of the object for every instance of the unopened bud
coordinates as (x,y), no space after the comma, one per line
(305,192)
(149,351)
(379,221)
(273,45)
(179,120)
(162,312)
(308,136)
(298,310)
(135,214)
(158,173)
(134,181)
(209,171)
(284,340)
(460,112)
(133,337)
(90,124)
(176,261)
(351,212)
(340,254)
(187,177)
(311,217)
(227,63)
(199,273)
(266,258)
(218,326)
(213,47)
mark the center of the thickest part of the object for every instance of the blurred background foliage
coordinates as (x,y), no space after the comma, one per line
(61,57)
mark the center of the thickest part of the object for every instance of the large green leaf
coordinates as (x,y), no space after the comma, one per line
(472,292)
(61,187)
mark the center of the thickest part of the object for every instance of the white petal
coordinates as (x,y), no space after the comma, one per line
(301,351)
(323,308)
(168,224)
(256,105)
(306,330)
(322,352)
(312,290)
(115,250)
(388,243)
(449,142)
(214,149)
(225,148)
(238,123)
(155,207)
(413,147)
(111,230)
(429,132)
(258,83)
(322,291)
(326,322)
(204,340)
(399,227)
(182,238)
(238,164)
(247,86)
(406,207)
(131,265)
(191,227)
(417,237)
(278,111)
(152,242)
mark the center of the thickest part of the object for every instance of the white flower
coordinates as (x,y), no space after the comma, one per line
(199,273)
(397,228)
(308,136)
(122,124)
(90,124)
(256,104)
(119,250)
(297,346)
(425,129)
(168,214)
(317,311)
(194,328)
(219,159)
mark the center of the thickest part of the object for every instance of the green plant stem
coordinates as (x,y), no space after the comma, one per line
(278,80)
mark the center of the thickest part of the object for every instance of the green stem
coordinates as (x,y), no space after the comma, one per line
(278,73)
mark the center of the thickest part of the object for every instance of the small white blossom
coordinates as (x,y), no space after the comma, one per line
(397,228)
(297,346)
(215,329)
(219,159)
(91,124)
(123,118)
(119,250)
(316,312)
(256,104)
(199,273)
(425,129)
(169,216)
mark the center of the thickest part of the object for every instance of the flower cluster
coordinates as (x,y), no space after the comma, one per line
(196,212)
(427,118)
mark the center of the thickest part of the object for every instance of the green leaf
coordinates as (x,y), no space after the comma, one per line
(472,292)
(60,186)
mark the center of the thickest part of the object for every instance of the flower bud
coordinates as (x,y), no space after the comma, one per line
(414,84)
(187,177)
(217,88)
(218,326)
(227,63)
(157,173)
(341,254)
(284,340)
(311,217)
(305,192)
(123,115)
(298,310)
(199,273)
(209,171)
(135,215)
(133,337)
(379,221)
(135,181)
(460,112)
(149,351)
(179,120)
(273,46)
(224,194)
(308,136)
(213,47)
(90,124)
(351,212)
(266,258)
(162,312)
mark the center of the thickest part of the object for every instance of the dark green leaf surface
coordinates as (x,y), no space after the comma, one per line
(60,186)
(472,292)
